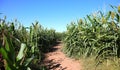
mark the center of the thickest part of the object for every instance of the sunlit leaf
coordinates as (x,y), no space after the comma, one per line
(21,52)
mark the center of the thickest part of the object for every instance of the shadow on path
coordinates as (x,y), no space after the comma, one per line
(53,48)
(52,64)
(55,59)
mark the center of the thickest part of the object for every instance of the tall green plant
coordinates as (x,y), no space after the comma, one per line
(97,35)
(12,60)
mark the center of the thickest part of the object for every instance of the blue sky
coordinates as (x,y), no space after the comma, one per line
(54,14)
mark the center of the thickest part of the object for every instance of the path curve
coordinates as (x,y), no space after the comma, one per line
(56,60)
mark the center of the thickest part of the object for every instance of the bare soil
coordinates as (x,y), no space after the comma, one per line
(56,60)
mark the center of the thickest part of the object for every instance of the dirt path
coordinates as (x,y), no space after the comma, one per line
(56,60)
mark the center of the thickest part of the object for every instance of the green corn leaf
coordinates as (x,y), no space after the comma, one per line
(119,9)
(33,49)
(118,18)
(4,53)
(29,60)
(89,18)
(21,52)
(101,14)
(7,67)
(108,15)
(9,63)
(28,68)
(7,47)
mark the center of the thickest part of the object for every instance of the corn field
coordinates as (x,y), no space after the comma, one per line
(96,35)
(22,48)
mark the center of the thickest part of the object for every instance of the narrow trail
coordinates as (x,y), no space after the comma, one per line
(56,60)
